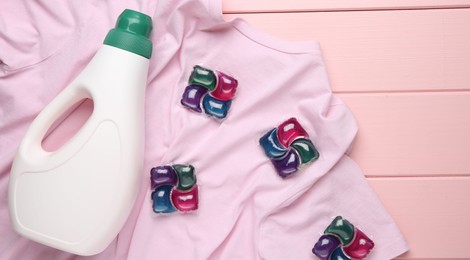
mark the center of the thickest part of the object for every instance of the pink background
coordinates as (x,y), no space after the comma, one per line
(403,68)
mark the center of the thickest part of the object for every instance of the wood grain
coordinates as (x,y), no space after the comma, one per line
(416,50)
(412,134)
(432,213)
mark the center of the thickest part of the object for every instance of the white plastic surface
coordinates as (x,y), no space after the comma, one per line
(78,197)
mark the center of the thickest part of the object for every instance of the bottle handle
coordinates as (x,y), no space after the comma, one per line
(31,147)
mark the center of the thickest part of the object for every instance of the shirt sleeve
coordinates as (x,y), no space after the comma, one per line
(291,232)
(32,31)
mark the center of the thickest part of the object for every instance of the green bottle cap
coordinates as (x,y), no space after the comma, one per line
(131,33)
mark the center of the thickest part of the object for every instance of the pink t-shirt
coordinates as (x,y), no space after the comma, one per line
(246,211)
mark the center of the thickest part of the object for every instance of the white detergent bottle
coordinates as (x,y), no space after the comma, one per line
(78,197)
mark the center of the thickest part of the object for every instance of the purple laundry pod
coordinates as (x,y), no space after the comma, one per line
(325,246)
(287,165)
(163,175)
(192,97)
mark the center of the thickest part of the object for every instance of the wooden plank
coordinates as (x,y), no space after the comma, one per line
(412,134)
(250,6)
(432,213)
(384,50)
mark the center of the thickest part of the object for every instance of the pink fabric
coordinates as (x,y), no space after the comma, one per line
(246,211)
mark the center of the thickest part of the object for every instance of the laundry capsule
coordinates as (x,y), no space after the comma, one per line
(342,241)
(288,147)
(174,188)
(210,92)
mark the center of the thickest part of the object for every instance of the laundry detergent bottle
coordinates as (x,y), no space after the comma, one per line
(78,197)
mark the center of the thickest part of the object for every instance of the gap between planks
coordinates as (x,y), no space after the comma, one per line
(279,6)
(416,177)
(343,10)
(411,91)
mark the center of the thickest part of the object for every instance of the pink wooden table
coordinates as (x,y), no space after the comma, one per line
(403,67)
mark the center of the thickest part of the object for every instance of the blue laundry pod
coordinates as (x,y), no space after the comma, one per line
(161,197)
(215,107)
(271,145)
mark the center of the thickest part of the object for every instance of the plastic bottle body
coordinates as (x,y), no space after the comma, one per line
(78,197)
